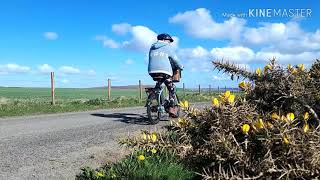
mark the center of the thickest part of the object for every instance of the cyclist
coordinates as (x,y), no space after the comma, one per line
(162,63)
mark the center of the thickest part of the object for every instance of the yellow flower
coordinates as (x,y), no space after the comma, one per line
(215,102)
(245,128)
(183,122)
(267,67)
(306,128)
(283,118)
(144,136)
(100,174)
(154,137)
(243,85)
(184,104)
(259,124)
(153,150)
(306,116)
(275,116)
(258,71)
(227,94)
(285,140)
(141,157)
(290,116)
(269,125)
(290,68)
(231,98)
(294,71)
(301,67)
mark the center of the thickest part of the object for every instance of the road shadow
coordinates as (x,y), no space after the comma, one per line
(129,118)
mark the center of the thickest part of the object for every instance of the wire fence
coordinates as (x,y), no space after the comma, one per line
(106,91)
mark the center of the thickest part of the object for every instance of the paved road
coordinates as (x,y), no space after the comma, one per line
(56,146)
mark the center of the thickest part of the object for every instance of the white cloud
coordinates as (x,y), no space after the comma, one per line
(287,39)
(199,23)
(122,28)
(107,42)
(199,59)
(244,66)
(220,78)
(111,44)
(142,38)
(45,68)
(268,33)
(196,59)
(283,37)
(50,35)
(234,54)
(91,72)
(129,61)
(304,57)
(65,81)
(193,53)
(69,70)
(13,68)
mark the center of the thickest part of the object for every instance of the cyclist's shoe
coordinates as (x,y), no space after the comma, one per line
(173,112)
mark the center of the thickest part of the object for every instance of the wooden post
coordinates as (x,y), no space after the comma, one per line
(140,90)
(209,89)
(53,102)
(225,88)
(199,90)
(109,89)
(184,90)
(218,90)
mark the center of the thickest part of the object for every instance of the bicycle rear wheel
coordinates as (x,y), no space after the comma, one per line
(154,115)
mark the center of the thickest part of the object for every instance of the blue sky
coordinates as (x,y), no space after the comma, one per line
(85,41)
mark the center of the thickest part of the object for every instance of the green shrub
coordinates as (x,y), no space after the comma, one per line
(140,165)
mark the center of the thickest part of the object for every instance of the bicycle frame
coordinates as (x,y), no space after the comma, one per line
(158,90)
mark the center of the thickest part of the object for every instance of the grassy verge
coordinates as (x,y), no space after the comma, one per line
(20,107)
(140,165)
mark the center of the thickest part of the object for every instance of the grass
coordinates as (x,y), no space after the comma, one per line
(34,101)
(162,165)
(64,93)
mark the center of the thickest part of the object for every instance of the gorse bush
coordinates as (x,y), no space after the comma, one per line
(269,132)
(281,89)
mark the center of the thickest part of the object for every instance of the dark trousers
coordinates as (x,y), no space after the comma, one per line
(166,79)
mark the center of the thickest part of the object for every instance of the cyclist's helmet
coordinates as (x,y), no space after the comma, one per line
(164,36)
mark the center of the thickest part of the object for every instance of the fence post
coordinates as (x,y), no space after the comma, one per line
(140,90)
(184,90)
(53,102)
(199,90)
(218,90)
(225,88)
(209,89)
(109,89)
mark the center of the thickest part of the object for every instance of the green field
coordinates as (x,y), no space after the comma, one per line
(64,93)
(31,101)
(70,93)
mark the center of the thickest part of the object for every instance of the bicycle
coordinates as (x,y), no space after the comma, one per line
(157,104)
